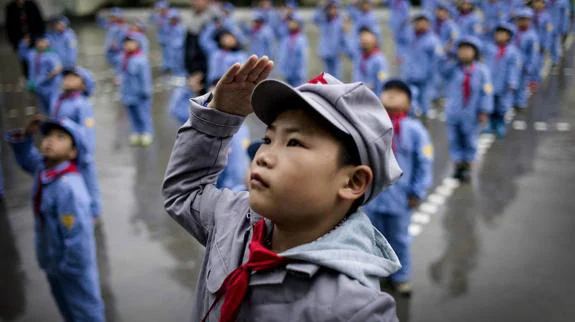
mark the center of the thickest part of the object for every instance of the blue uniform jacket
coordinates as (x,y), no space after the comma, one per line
(493,14)
(505,70)
(261,41)
(40,65)
(136,80)
(481,95)
(160,22)
(469,24)
(399,14)
(180,103)
(65,45)
(77,108)
(63,229)
(221,60)
(113,41)
(292,56)
(560,12)
(175,43)
(208,41)
(414,153)
(371,69)
(528,44)
(429,5)
(544,26)
(234,175)
(447,31)
(422,57)
(331,35)
(362,19)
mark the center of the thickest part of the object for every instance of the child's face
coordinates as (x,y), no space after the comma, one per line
(466,7)
(538,5)
(502,37)
(57,145)
(466,53)
(131,45)
(59,26)
(332,11)
(365,6)
(72,82)
(293,25)
(522,23)
(296,173)
(367,40)
(228,41)
(265,4)
(395,100)
(42,44)
(421,25)
(441,14)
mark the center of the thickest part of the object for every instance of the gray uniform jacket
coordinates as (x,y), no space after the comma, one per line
(335,278)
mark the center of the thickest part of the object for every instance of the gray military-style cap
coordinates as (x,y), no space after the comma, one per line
(352,108)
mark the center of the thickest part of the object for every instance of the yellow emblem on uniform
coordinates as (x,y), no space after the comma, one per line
(68,221)
(245,143)
(89,122)
(428,151)
(381,75)
(488,88)
(549,27)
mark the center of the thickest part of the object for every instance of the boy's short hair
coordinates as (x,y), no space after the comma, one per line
(472,42)
(352,109)
(73,129)
(396,83)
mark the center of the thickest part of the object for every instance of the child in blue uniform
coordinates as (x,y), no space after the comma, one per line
(44,70)
(293,52)
(136,91)
(469,102)
(369,63)
(137,28)
(544,25)
(468,20)
(421,60)
(527,41)
(363,16)
(494,12)
(559,10)
(180,99)
(390,212)
(399,24)
(429,5)
(332,36)
(72,103)
(159,18)
(260,36)
(116,27)
(448,32)
(228,52)
(504,62)
(63,41)
(65,247)
(175,41)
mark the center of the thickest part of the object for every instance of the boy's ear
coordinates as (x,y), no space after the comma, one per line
(73,154)
(358,180)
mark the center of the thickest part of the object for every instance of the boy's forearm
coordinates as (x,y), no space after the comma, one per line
(198,157)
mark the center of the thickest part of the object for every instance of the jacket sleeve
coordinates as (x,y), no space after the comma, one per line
(532,66)
(207,41)
(72,50)
(27,155)
(423,165)
(73,218)
(198,156)
(380,309)
(146,80)
(486,93)
(380,76)
(56,64)
(514,71)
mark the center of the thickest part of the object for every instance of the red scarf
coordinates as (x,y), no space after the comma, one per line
(396,118)
(51,175)
(64,96)
(467,72)
(236,284)
(127,56)
(292,39)
(365,55)
(501,51)
(257,26)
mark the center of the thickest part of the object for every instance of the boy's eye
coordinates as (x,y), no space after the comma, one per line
(266,140)
(294,142)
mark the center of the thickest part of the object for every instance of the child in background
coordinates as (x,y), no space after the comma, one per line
(468,20)
(421,61)
(115,31)
(307,241)
(293,53)
(175,40)
(390,212)
(136,91)
(159,18)
(494,13)
(260,36)
(73,103)
(544,26)
(399,25)
(137,28)
(180,101)
(560,15)
(65,245)
(363,16)
(332,36)
(369,63)
(448,32)
(228,52)
(527,41)
(63,41)
(469,102)
(44,69)
(504,62)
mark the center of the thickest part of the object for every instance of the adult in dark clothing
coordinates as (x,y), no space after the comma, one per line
(23,18)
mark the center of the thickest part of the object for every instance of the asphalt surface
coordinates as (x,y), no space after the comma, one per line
(498,249)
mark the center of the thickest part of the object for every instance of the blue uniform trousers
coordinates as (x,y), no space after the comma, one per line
(140,116)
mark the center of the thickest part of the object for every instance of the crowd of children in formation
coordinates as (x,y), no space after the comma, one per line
(477,59)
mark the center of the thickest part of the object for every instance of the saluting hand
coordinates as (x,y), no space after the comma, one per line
(233,93)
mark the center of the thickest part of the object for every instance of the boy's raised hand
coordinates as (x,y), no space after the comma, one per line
(233,93)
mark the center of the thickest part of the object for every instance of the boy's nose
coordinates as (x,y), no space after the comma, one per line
(264,158)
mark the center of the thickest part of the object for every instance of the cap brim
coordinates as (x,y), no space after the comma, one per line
(48,125)
(270,96)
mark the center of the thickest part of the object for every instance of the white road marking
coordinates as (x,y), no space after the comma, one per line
(451,182)
(414,230)
(420,218)
(436,199)
(444,191)
(519,125)
(563,126)
(12,113)
(540,126)
(428,208)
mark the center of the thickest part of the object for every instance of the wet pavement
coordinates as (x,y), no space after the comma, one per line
(498,249)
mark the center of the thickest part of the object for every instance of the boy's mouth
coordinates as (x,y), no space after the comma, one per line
(256,181)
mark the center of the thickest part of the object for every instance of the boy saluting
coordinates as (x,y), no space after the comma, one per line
(293,248)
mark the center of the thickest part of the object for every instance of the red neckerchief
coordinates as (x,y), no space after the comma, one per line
(396,118)
(61,98)
(365,57)
(467,72)
(292,38)
(420,33)
(127,56)
(235,286)
(257,26)
(501,51)
(49,175)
